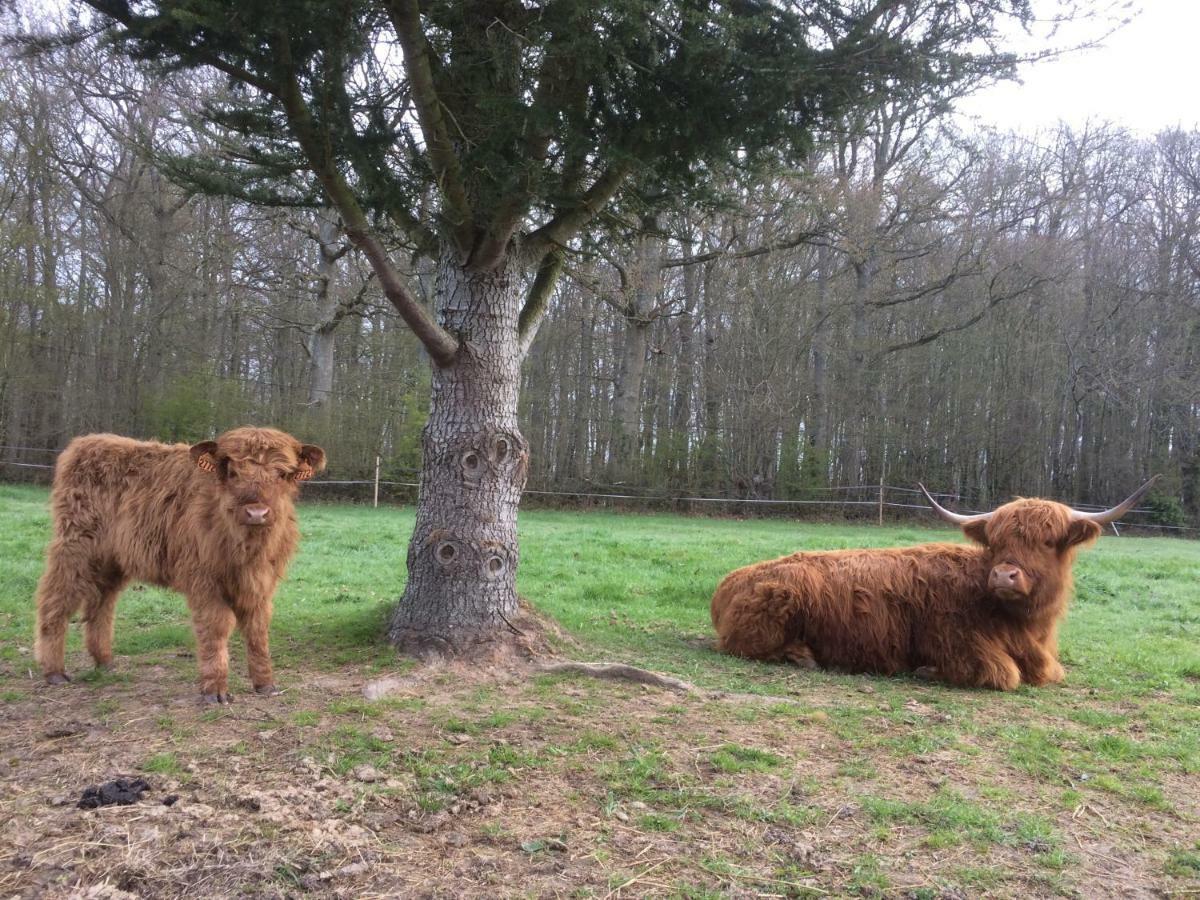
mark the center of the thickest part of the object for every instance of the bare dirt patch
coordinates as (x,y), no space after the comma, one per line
(468,782)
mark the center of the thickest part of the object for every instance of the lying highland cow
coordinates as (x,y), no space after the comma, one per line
(214,521)
(980,616)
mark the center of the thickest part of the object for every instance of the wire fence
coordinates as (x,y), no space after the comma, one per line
(879,501)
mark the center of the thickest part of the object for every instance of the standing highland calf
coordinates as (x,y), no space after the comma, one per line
(979,616)
(215,521)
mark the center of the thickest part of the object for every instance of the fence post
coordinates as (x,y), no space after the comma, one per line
(881,499)
(376,504)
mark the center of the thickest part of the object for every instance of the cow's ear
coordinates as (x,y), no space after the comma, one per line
(204,455)
(977,531)
(1080,531)
(312,461)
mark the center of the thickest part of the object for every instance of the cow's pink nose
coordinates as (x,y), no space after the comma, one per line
(257,515)
(1005,577)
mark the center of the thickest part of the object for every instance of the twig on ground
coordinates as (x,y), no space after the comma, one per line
(636,878)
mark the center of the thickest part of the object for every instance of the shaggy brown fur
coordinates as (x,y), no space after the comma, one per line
(214,521)
(983,615)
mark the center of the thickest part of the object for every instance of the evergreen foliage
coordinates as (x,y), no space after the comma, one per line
(520,116)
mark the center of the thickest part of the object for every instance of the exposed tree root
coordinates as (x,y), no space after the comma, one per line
(622,672)
(528,644)
(619,672)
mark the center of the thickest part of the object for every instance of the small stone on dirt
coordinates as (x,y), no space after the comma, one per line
(428,824)
(119,792)
(456,839)
(866,689)
(104,892)
(67,729)
(383,734)
(349,871)
(455,738)
(554,844)
(621,814)
(374,690)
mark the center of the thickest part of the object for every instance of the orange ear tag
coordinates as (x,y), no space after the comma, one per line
(205,463)
(303,473)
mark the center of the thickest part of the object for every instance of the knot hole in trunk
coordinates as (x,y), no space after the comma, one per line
(448,552)
(493,454)
(497,559)
(493,560)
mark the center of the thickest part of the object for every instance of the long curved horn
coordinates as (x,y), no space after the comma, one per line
(1111,515)
(956,518)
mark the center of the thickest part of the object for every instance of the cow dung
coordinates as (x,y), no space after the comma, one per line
(120,791)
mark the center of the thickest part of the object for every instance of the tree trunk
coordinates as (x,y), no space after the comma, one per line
(321,341)
(858,378)
(708,456)
(579,449)
(462,560)
(640,296)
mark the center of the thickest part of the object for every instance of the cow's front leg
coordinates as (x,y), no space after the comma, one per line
(981,662)
(213,621)
(255,621)
(1038,666)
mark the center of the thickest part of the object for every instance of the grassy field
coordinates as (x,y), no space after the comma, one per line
(464,783)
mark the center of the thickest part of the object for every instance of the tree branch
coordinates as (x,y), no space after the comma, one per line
(569,222)
(804,237)
(534,309)
(119,11)
(406,20)
(442,345)
(993,301)
(554,81)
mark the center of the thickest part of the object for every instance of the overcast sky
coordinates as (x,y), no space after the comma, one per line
(1146,76)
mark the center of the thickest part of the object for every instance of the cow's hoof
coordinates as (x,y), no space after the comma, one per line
(218,698)
(268,690)
(57,678)
(929,673)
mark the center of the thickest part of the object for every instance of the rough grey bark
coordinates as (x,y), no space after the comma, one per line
(578,449)
(462,559)
(685,371)
(321,341)
(640,295)
(815,422)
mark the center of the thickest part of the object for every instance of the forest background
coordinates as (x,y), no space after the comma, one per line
(990,312)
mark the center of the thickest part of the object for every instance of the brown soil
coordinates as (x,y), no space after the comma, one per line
(473,782)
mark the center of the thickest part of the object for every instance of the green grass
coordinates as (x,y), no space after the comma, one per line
(637,585)
(733,759)
(636,588)
(1185,863)
(163,764)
